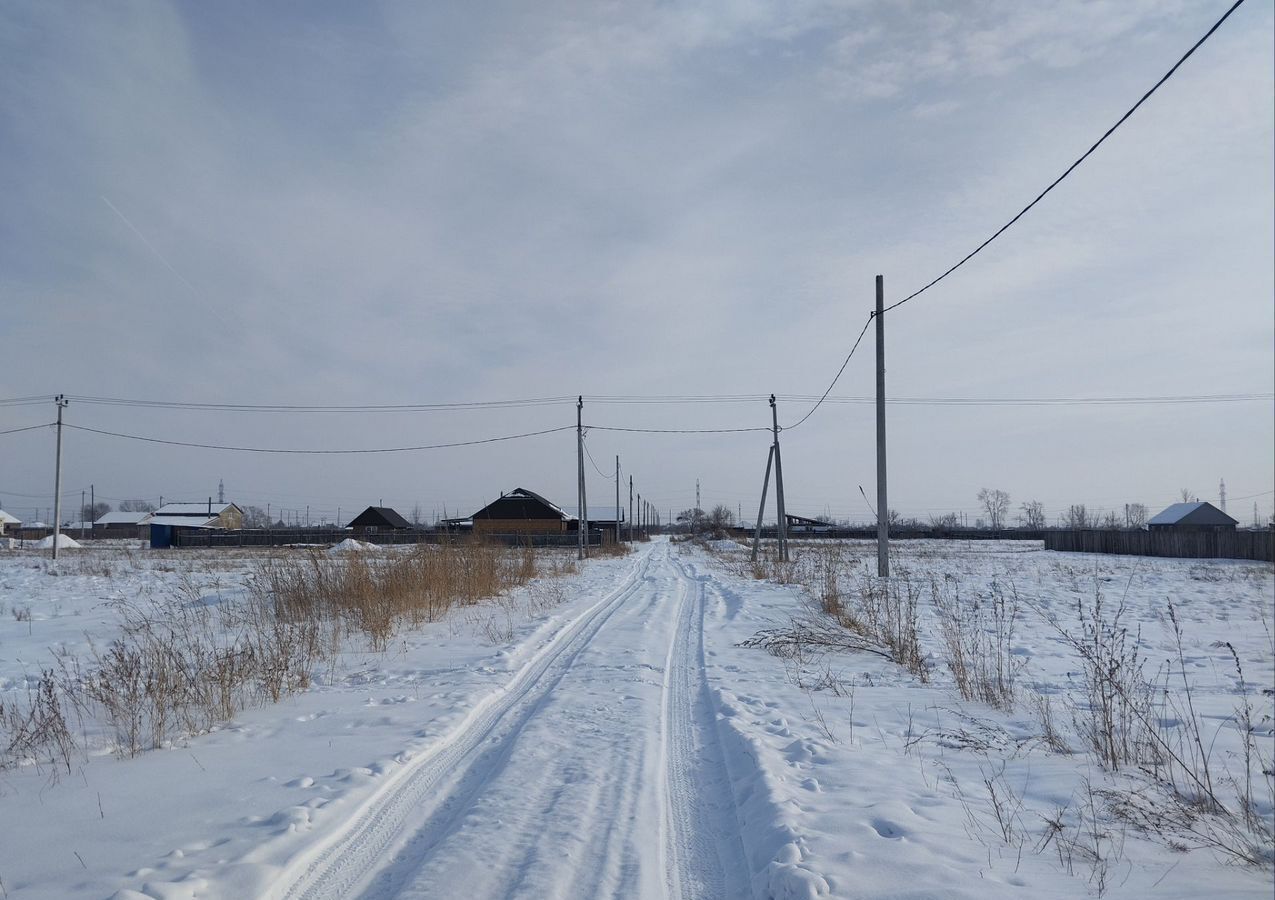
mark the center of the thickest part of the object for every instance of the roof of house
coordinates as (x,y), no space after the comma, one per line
(526,495)
(8,519)
(122,518)
(182,521)
(203,508)
(1197,513)
(380,515)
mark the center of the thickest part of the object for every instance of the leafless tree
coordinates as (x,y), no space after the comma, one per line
(720,519)
(947,521)
(1110,521)
(142,506)
(1136,515)
(996,505)
(93,512)
(255,517)
(1033,514)
(1078,517)
(1188,495)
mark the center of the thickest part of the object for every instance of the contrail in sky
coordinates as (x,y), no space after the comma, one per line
(208,306)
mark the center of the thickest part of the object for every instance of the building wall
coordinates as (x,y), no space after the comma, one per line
(231,519)
(519,526)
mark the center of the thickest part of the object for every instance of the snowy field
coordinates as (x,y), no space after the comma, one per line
(625,732)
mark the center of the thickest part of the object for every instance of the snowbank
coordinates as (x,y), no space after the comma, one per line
(65,542)
(349,545)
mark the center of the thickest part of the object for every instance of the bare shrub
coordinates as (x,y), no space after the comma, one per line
(886,609)
(36,732)
(978,637)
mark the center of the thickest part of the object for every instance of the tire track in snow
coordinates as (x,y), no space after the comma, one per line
(344,861)
(705,853)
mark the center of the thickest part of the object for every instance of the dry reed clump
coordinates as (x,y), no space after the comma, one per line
(373,593)
(35,732)
(180,668)
(978,639)
(887,610)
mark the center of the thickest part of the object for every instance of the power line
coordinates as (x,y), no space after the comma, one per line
(27,401)
(150,440)
(1167,75)
(27,428)
(836,377)
(590,455)
(294,407)
(1046,401)
(679,430)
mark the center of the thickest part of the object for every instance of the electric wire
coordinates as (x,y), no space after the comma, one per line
(836,377)
(678,430)
(27,428)
(1167,75)
(492,440)
(294,407)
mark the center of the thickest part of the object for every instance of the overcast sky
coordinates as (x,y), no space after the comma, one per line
(412,203)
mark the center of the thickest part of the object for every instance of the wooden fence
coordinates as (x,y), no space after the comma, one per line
(1184,544)
(280,537)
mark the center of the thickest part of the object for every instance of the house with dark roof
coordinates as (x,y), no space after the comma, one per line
(377,519)
(522,512)
(1195,516)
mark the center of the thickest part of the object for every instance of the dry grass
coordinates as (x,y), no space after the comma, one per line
(374,593)
(183,663)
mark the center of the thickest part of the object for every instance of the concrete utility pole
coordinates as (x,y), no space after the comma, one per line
(883,505)
(770,457)
(617,498)
(61,402)
(782,530)
(630,509)
(580,522)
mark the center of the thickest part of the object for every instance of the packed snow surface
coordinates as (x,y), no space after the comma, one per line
(606,734)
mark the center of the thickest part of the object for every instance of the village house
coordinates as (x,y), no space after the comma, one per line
(378,519)
(522,512)
(1197,516)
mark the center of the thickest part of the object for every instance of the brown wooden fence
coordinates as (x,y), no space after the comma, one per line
(1185,544)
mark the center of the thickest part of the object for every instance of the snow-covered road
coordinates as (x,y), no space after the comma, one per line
(608,731)
(594,772)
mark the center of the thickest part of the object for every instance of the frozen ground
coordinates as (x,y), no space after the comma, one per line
(606,735)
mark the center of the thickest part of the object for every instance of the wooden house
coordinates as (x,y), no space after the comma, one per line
(376,519)
(1196,516)
(522,512)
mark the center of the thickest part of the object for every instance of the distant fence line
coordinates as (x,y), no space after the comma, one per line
(1259,545)
(282,537)
(805,532)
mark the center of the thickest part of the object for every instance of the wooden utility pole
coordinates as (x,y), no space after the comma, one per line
(580,523)
(883,505)
(782,531)
(761,508)
(61,402)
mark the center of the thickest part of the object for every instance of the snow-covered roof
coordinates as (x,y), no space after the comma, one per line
(193,509)
(183,521)
(8,519)
(123,518)
(1196,513)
